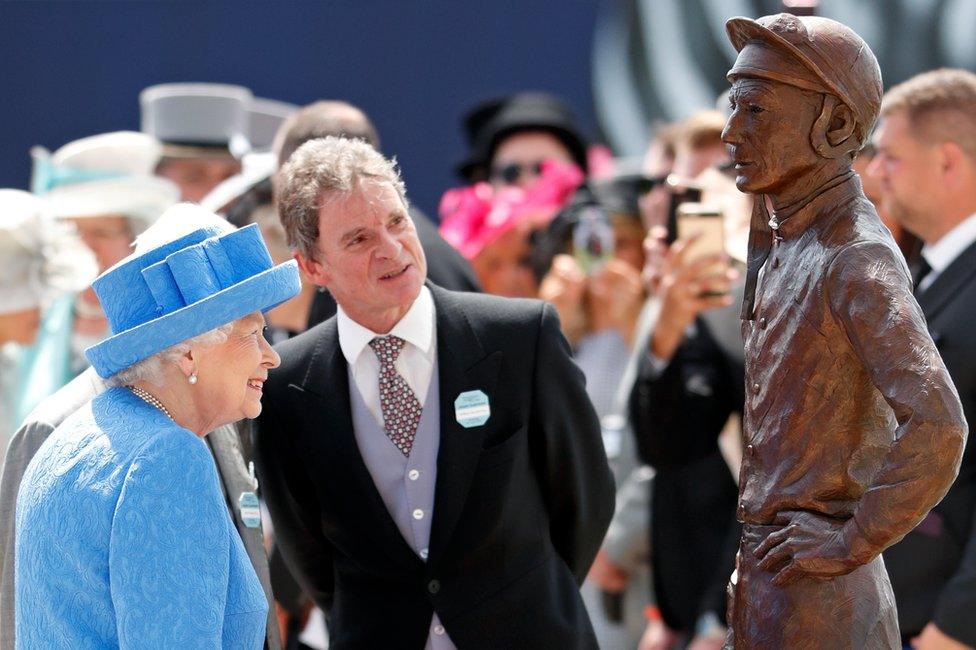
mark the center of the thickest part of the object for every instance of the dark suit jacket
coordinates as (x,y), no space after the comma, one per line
(933,569)
(521,503)
(445,268)
(677,416)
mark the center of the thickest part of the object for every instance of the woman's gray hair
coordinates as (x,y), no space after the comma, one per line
(151,368)
(322,169)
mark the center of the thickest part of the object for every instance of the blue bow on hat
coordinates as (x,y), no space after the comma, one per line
(185,288)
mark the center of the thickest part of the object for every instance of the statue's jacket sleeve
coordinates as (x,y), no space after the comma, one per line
(868,293)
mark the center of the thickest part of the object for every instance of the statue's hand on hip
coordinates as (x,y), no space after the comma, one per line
(807,546)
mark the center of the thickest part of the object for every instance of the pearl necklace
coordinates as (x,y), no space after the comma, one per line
(149,399)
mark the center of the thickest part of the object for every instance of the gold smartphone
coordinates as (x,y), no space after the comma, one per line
(708,223)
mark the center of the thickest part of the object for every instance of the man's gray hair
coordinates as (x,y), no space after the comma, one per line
(325,169)
(151,368)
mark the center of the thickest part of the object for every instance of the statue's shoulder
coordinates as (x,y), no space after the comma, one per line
(854,221)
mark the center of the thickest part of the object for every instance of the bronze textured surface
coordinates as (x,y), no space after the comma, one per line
(853,429)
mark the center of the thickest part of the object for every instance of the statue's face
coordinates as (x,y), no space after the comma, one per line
(768,134)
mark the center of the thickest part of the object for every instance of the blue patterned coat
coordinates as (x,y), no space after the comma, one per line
(124,540)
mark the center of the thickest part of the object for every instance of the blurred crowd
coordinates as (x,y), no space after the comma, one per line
(641,258)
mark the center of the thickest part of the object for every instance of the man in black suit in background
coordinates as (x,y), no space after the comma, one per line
(926,163)
(445,266)
(430,458)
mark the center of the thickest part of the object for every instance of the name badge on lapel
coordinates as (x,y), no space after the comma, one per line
(471,409)
(250,509)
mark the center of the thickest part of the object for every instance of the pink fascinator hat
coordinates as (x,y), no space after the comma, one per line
(474,216)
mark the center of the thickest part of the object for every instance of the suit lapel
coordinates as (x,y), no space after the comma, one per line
(225,445)
(233,475)
(948,283)
(334,452)
(463,365)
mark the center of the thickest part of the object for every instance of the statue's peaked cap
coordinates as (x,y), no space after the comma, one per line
(839,58)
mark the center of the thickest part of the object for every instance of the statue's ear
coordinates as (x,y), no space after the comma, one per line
(833,133)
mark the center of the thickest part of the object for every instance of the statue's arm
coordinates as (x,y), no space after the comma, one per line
(869,292)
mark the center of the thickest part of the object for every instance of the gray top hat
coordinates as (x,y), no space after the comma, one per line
(265,116)
(192,118)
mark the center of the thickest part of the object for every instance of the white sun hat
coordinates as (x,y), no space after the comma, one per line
(110,173)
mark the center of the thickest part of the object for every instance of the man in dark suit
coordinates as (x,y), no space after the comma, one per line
(430,459)
(445,266)
(926,162)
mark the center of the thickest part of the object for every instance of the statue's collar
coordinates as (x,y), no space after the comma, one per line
(787,223)
(793,219)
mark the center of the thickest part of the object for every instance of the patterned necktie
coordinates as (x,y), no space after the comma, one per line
(401,409)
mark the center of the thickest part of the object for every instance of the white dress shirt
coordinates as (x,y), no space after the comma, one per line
(415,364)
(950,246)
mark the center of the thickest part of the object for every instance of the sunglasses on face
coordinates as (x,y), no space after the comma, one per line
(511,173)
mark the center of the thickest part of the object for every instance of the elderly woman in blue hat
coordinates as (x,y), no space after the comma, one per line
(123,534)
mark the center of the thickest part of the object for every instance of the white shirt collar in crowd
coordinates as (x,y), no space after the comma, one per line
(950,246)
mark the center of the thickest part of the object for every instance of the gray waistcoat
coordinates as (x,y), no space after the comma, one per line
(405,484)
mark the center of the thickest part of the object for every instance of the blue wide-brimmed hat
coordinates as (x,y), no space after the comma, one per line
(184,288)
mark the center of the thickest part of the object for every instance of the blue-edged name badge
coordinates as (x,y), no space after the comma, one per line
(471,409)
(250,509)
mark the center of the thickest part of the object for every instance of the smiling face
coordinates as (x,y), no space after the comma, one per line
(231,374)
(768,134)
(368,255)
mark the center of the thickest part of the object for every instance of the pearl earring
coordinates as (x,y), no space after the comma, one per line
(192,378)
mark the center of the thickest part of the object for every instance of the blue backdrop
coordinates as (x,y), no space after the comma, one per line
(72,69)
